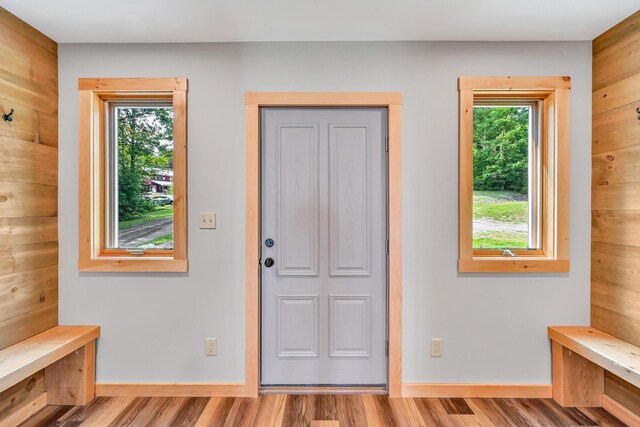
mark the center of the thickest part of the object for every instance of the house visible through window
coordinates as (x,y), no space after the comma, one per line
(139,175)
(506,174)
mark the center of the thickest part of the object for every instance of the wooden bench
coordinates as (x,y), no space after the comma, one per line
(67,355)
(581,354)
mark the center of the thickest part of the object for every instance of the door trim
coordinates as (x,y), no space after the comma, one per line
(253,101)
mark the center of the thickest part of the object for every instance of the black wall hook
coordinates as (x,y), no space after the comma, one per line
(7,117)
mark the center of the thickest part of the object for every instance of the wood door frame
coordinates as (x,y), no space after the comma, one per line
(253,101)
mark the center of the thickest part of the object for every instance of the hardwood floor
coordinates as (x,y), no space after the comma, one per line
(318,411)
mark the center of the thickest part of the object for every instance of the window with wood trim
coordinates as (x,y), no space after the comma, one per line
(132,181)
(513,174)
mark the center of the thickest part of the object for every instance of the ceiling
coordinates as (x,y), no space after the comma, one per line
(128,21)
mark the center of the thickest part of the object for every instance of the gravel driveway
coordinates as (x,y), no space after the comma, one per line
(140,234)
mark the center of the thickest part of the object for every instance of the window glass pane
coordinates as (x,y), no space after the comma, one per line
(503,162)
(140,185)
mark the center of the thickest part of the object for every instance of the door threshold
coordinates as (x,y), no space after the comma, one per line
(303,389)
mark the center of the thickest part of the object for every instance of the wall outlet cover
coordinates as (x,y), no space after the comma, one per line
(436,347)
(210,346)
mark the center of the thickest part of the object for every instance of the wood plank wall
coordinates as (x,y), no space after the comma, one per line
(615,192)
(28,194)
(28,181)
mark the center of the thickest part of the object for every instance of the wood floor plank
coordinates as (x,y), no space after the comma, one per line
(409,413)
(80,413)
(295,413)
(189,412)
(540,412)
(309,408)
(601,417)
(495,412)
(324,423)
(206,417)
(242,413)
(222,411)
(371,412)
(126,417)
(306,410)
(270,410)
(456,406)
(432,411)
(466,420)
(515,413)
(479,415)
(412,414)
(384,411)
(351,410)
(108,412)
(325,407)
(571,416)
(160,411)
(398,410)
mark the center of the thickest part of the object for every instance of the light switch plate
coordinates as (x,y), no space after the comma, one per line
(207,220)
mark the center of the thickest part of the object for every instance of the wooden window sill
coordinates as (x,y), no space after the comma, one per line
(132,264)
(519,265)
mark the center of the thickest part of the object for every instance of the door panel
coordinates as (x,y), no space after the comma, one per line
(350,320)
(298,325)
(297,195)
(349,201)
(323,298)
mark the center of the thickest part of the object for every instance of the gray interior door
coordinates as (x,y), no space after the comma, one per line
(324,231)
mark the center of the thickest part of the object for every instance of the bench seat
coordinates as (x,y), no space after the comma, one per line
(66,353)
(581,354)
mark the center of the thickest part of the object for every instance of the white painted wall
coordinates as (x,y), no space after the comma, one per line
(493,325)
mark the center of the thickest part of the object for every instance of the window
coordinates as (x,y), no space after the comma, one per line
(513,174)
(132,175)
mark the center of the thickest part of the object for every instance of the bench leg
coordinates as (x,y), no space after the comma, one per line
(577,382)
(71,380)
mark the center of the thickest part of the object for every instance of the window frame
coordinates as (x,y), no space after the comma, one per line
(553,96)
(94,94)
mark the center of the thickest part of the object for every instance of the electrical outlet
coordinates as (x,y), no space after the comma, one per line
(207,220)
(210,346)
(436,347)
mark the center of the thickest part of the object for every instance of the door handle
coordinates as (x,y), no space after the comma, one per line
(268,262)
